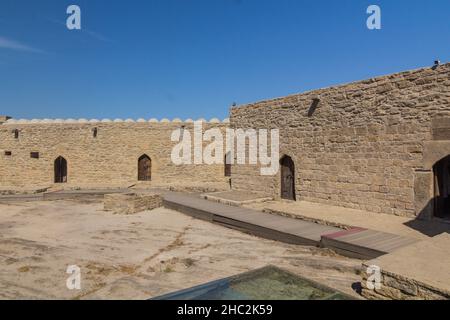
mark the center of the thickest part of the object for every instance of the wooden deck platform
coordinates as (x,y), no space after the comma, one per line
(261,224)
(365,243)
(356,243)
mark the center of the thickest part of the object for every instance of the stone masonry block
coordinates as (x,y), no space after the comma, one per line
(131,202)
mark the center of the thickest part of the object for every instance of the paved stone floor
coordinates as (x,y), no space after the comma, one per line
(420,270)
(338,216)
(138,256)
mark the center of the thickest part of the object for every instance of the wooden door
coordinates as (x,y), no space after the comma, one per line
(60,168)
(144,168)
(227,167)
(287,178)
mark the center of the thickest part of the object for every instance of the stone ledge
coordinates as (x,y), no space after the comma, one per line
(396,288)
(309,219)
(415,272)
(229,198)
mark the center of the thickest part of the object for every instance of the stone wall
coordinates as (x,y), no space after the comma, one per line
(361,146)
(4,119)
(367,145)
(108,160)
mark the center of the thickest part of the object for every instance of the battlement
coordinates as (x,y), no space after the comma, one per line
(7,120)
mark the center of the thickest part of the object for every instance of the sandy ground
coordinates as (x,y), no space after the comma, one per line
(137,256)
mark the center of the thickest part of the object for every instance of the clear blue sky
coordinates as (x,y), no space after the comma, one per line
(194,58)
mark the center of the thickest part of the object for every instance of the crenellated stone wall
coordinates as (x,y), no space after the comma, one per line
(108,160)
(359,145)
(367,145)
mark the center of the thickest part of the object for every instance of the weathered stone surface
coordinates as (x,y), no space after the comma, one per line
(372,295)
(423,193)
(235,198)
(418,271)
(362,146)
(389,292)
(108,160)
(433,152)
(4,119)
(405,286)
(428,294)
(131,202)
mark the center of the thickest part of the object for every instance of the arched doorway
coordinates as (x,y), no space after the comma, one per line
(60,167)
(227,168)
(442,188)
(287,178)
(144,168)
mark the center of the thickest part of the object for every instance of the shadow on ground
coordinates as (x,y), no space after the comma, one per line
(425,225)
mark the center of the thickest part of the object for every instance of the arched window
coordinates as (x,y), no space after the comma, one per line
(287,178)
(227,162)
(60,167)
(144,168)
(442,188)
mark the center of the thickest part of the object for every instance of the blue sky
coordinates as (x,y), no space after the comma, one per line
(194,58)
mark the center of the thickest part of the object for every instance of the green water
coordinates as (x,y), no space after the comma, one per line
(271,283)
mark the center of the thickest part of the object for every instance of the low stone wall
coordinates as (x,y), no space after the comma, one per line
(131,202)
(394,286)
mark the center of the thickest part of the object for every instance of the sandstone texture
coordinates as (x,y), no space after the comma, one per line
(138,256)
(130,203)
(415,272)
(108,160)
(368,145)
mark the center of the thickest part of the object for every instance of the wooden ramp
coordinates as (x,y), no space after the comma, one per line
(356,243)
(261,224)
(364,243)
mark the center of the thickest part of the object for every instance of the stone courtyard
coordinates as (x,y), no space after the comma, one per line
(363,170)
(138,256)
